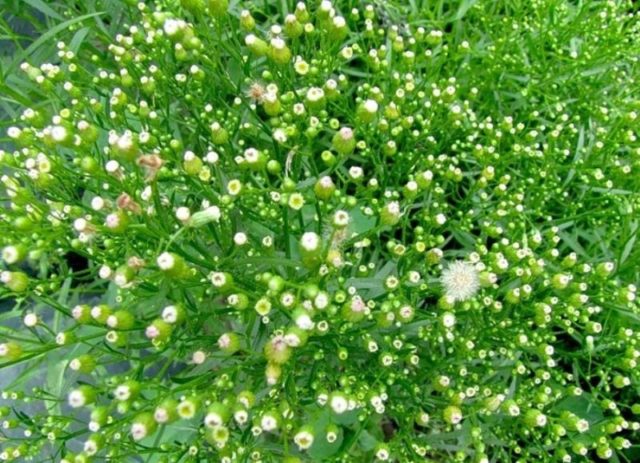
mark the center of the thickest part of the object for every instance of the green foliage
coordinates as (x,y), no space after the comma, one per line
(341,232)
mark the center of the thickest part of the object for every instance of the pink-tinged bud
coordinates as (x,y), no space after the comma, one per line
(276,350)
(158,331)
(229,343)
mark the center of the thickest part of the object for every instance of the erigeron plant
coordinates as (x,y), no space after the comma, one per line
(324,232)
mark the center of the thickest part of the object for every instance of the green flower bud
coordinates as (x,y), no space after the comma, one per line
(117,222)
(99,417)
(366,111)
(81,313)
(82,396)
(217,415)
(218,8)
(390,214)
(14,253)
(246,20)
(324,188)
(143,425)
(271,104)
(292,27)
(121,320)
(535,418)
(194,7)
(304,437)
(219,135)
(127,390)
(18,282)
(208,215)
(279,52)
(166,412)
(273,373)
(100,313)
(158,331)
(173,265)
(452,414)
(310,249)
(84,363)
(337,29)
(276,350)
(344,141)
(355,310)
(229,343)
(10,351)
(191,164)
(257,46)
(222,281)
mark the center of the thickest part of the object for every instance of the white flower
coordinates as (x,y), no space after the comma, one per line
(303,440)
(138,431)
(460,280)
(310,241)
(77,398)
(166,261)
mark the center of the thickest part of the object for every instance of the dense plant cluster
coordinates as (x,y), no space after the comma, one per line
(349,232)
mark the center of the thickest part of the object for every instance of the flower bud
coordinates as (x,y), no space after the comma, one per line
(257,46)
(17,282)
(222,281)
(304,438)
(219,135)
(279,52)
(310,249)
(218,8)
(84,363)
(10,351)
(355,310)
(142,426)
(191,163)
(100,313)
(173,265)
(246,20)
(217,415)
(229,343)
(14,253)
(158,331)
(292,27)
(194,7)
(82,396)
(208,215)
(121,320)
(324,188)
(276,350)
(452,414)
(344,141)
(81,313)
(390,213)
(535,418)
(117,222)
(367,110)
(98,418)
(166,412)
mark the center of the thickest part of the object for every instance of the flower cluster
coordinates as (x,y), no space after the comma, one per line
(334,232)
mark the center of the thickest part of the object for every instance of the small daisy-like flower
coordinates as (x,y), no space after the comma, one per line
(303,439)
(460,281)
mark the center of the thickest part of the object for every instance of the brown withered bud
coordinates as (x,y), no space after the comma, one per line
(151,163)
(127,203)
(135,262)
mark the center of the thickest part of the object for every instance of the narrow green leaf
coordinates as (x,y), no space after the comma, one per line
(44,9)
